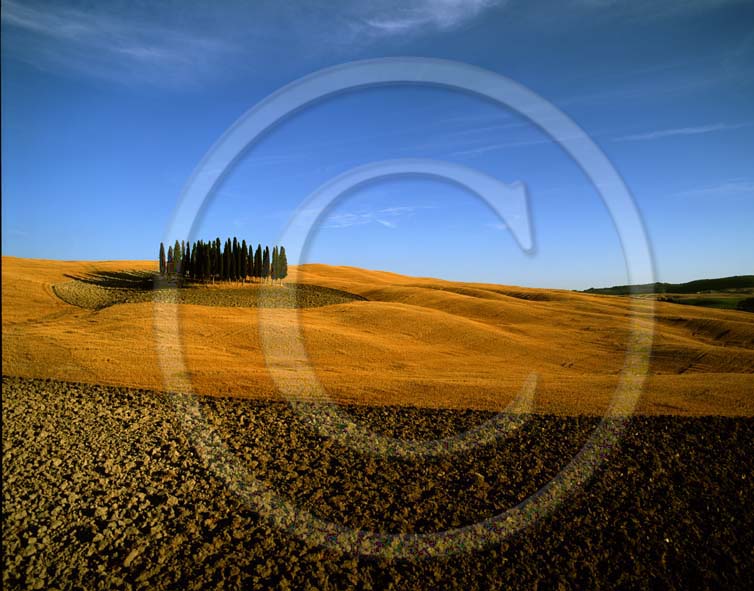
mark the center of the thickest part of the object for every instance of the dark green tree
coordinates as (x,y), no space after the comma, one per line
(207,261)
(196,262)
(266,263)
(217,253)
(186,259)
(185,248)
(192,264)
(162,258)
(242,264)
(177,257)
(274,264)
(227,260)
(235,259)
(258,262)
(282,264)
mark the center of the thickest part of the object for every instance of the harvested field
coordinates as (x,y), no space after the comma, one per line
(104,488)
(99,291)
(414,341)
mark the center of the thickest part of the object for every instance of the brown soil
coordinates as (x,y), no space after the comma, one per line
(111,488)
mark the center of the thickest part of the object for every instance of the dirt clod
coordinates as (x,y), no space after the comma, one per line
(668,508)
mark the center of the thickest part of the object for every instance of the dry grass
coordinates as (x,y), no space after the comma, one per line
(417,341)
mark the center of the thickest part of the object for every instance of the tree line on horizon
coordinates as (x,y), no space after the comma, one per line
(233,261)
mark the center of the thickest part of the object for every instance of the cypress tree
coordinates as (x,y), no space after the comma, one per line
(224,258)
(215,260)
(266,263)
(282,264)
(162,258)
(207,261)
(204,254)
(244,252)
(274,264)
(258,262)
(196,261)
(177,257)
(187,259)
(231,261)
(236,258)
(227,260)
(169,267)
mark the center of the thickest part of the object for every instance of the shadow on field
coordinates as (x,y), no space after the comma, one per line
(102,289)
(139,280)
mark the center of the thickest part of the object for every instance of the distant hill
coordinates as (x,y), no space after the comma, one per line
(738,282)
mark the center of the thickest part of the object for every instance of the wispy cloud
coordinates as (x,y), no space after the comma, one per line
(522,143)
(730,188)
(457,141)
(156,43)
(394,17)
(679,131)
(387,217)
(444,136)
(116,46)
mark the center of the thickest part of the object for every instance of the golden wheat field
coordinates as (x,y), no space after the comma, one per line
(410,341)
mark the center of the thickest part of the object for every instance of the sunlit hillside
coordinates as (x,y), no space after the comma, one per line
(410,341)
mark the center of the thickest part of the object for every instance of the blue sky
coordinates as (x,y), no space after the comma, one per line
(108,108)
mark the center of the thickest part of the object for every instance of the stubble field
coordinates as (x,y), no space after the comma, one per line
(385,339)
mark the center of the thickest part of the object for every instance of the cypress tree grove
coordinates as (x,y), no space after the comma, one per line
(162,258)
(232,261)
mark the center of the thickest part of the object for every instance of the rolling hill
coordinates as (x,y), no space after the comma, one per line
(400,340)
(737,282)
